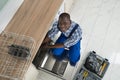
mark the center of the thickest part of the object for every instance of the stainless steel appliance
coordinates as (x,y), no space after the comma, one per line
(45,60)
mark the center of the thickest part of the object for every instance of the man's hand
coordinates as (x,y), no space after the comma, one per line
(45,45)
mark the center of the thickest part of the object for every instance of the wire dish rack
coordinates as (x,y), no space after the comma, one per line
(13,67)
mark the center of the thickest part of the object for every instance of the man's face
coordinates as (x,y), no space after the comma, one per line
(64,24)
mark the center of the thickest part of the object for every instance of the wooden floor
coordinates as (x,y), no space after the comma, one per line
(33,19)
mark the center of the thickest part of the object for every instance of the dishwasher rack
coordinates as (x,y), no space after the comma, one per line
(12,67)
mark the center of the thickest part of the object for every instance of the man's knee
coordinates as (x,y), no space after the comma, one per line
(57,51)
(74,60)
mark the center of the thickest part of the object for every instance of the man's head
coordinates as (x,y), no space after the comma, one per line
(64,22)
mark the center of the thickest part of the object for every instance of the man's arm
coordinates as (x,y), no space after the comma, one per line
(46,43)
(46,40)
(58,45)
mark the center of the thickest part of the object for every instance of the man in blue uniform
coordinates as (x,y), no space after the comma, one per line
(69,41)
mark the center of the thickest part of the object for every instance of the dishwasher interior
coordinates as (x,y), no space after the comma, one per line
(45,60)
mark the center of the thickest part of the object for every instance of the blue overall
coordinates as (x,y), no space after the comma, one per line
(73,54)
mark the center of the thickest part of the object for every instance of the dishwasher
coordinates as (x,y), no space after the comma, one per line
(45,60)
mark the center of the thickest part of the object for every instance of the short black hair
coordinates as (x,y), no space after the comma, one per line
(64,15)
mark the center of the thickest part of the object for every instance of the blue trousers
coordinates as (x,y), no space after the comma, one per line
(73,54)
